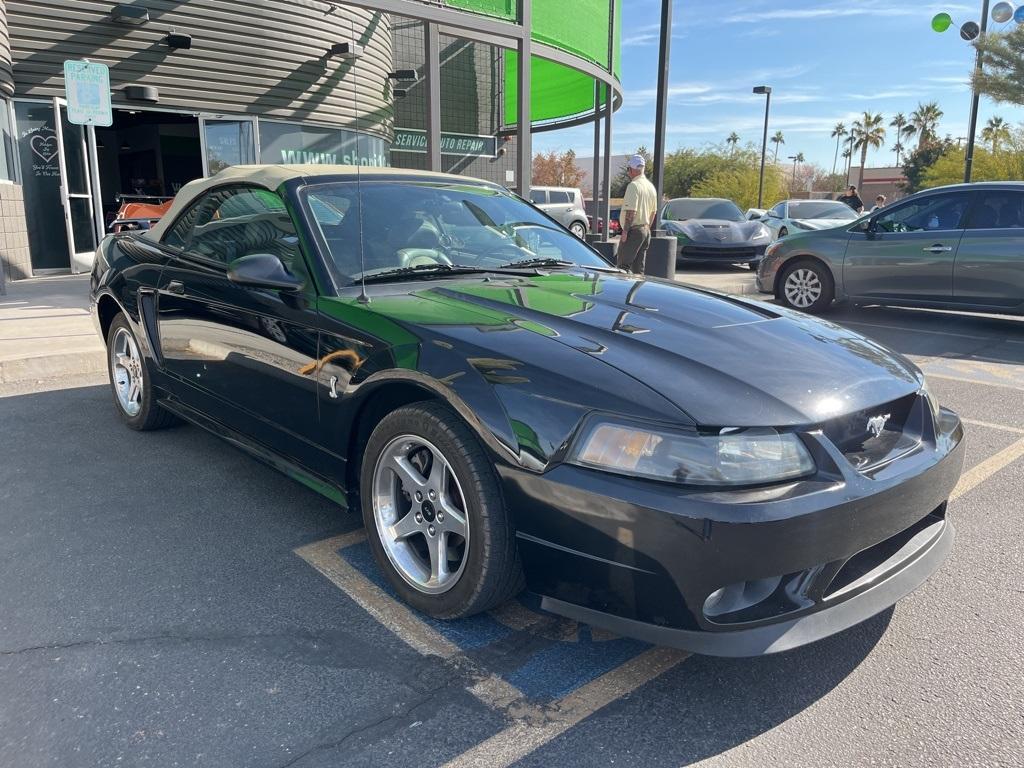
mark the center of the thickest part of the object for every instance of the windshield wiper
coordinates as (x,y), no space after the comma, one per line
(424,270)
(539,262)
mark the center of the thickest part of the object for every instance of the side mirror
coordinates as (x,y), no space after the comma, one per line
(262,270)
(865,225)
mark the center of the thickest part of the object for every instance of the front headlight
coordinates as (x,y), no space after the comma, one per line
(771,249)
(733,457)
(762,234)
(801,224)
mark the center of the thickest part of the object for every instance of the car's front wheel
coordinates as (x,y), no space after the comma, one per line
(130,381)
(435,516)
(807,286)
(578,229)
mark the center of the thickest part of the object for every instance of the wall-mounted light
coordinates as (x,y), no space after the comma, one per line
(129,14)
(403,74)
(141,93)
(178,40)
(346,50)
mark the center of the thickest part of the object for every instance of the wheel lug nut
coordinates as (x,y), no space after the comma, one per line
(430,530)
(432,494)
(440,517)
(419,496)
(419,518)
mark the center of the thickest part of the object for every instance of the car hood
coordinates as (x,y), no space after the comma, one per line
(723,361)
(715,231)
(816,224)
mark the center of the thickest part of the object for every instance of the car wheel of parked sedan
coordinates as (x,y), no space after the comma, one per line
(435,516)
(578,229)
(130,381)
(807,286)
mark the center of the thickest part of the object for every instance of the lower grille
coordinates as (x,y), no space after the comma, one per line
(713,253)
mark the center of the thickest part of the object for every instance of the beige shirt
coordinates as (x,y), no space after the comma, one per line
(641,199)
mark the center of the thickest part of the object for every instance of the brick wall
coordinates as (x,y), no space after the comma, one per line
(14,256)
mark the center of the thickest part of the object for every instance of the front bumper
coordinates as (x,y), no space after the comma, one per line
(726,253)
(738,572)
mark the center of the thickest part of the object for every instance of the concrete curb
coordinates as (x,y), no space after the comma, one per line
(52,366)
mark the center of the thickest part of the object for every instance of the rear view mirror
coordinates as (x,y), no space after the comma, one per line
(262,270)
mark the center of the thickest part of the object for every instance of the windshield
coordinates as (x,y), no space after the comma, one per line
(821,209)
(678,210)
(425,225)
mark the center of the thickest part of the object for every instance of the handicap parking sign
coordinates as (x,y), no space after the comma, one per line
(87,89)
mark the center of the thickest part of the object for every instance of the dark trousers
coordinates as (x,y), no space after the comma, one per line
(633,253)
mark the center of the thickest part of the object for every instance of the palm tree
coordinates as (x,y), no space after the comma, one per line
(777,140)
(848,154)
(797,159)
(899,122)
(732,141)
(995,130)
(923,121)
(837,133)
(868,133)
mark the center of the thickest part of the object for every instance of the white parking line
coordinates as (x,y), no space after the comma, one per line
(979,473)
(990,425)
(524,737)
(965,380)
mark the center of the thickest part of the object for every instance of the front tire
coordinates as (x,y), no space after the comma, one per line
(130,382)
(434,514)
(783,232)
(807,286)
(578,229)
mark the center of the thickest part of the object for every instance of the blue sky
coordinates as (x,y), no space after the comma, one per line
(826,60)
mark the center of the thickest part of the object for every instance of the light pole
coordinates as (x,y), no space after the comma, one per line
(969,156)
(766,91)
(662,105)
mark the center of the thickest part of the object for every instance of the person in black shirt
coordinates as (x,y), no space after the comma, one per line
(852,199)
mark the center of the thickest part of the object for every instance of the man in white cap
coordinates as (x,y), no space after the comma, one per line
(639,208)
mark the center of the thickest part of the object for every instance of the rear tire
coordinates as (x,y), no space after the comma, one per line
(130,382)
(434,514)
(806,285)
(578,229)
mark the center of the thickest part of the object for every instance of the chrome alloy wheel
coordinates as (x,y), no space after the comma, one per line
(126,371)
(802,288)
(420,514)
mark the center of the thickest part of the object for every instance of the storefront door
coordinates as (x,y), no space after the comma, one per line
(228,142)
(75,189)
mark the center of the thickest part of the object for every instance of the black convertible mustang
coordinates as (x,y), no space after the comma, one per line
(506,408)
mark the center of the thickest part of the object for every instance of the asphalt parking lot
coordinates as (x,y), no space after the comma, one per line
(168,601)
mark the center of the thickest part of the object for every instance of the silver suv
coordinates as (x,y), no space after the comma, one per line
(564,205)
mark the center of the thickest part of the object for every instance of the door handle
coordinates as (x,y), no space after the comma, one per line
(176,286)
(938,249)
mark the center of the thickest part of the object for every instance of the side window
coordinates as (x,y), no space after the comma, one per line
(558,196)
(998,210)
(177,236)
(239,221)
(538,196)
(934,212)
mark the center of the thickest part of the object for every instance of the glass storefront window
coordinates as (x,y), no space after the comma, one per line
(7,141)
(229,142)
(282,142)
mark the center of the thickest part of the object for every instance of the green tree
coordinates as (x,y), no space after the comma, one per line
(554,170)
(917,163)
(868,133)
(899,122)
(995,131)
(1002,75)
(686,168)
(621,180)
(778,140)
(988,166)
(838,133)
(739,184)
(923,123)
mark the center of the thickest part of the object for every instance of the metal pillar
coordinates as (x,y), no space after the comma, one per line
(975,100)
(596,193)
(524,139)
(662,104)
(432,56)
(606,182)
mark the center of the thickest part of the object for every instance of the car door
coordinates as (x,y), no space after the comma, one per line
(242,356)
(560,206)
(989,267)
(908,250)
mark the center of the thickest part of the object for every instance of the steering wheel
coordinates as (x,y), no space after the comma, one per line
(418,257)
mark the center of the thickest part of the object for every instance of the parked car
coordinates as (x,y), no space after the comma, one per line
(802,215)
(564,205)
(712,229)
(504,407)
(616,228)
(958,247)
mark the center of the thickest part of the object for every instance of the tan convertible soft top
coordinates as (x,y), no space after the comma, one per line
(273,176)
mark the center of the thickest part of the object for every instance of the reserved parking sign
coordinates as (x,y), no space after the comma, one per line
(87,88)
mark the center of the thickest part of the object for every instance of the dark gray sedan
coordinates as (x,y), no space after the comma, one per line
(958,247)
(712,229)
